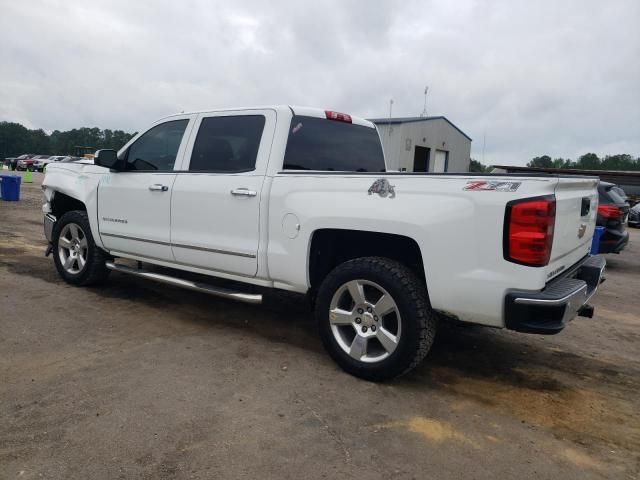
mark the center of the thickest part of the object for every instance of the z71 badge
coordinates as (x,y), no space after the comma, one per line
(483,186)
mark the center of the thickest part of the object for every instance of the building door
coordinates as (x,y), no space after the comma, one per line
(421,159)
(442,161)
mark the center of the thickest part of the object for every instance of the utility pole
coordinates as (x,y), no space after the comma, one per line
(390,112)
(484,142)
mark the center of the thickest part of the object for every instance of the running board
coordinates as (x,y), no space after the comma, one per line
(254,298)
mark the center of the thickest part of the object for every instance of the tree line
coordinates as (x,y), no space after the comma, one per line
(16,139)
(588,161)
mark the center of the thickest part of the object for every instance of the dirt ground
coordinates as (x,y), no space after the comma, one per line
(141,380)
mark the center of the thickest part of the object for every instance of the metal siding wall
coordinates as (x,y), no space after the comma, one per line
(435,132)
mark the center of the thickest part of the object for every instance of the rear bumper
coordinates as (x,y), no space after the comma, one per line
(613,242)
(547,311)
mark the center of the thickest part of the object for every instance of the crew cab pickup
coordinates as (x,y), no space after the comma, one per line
(299,199)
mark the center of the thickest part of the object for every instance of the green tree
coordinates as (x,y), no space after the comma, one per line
(476,166)
(541,162)
(15,139)
(620,162)
(589,161)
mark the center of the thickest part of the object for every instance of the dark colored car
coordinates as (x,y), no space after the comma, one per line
(613,212)
(634,216)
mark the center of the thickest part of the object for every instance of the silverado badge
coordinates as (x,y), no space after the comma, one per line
(383,188)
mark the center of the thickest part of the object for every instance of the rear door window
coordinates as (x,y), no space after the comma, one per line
(227,144)
(321,144)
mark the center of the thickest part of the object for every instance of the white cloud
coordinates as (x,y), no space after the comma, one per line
(533,77)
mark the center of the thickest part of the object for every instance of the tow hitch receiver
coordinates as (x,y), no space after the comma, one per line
(586,311)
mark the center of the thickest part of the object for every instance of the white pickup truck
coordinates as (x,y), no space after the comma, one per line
(299,199)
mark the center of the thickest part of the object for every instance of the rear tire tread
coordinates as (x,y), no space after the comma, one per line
(418,300)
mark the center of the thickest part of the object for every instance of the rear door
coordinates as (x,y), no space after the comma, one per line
(134,204)
(215,207)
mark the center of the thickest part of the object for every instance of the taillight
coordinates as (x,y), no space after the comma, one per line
(610,212)
(528,230)
(340,117)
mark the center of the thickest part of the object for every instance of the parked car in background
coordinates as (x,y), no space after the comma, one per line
(620,193)
(12,162)
(613,212)
(29,163)
(42,162)
(634,216)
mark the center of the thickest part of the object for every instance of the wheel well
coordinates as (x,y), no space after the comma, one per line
(331,247)
(64,203)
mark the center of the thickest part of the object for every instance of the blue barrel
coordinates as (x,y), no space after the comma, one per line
(595,243)
(10,187)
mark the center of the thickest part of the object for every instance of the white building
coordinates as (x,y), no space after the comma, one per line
(424,144)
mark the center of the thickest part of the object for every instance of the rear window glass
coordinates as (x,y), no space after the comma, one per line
(320,144)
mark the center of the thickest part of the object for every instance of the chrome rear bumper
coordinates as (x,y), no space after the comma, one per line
(549,310)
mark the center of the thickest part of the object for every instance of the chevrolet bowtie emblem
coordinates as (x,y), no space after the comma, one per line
(582,229)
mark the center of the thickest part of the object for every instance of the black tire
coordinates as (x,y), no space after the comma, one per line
(419,322)
(94,270)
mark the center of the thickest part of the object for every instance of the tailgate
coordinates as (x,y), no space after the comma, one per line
(576,211)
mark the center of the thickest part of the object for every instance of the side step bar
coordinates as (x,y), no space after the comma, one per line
(254,298)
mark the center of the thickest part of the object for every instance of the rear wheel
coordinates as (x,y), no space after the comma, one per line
(374,318)
(78,259)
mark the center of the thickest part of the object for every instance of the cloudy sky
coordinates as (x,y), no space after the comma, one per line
(546,77)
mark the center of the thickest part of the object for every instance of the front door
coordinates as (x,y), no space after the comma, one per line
(215,207)
(134,204)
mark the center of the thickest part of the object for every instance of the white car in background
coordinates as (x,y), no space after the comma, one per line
(41,163)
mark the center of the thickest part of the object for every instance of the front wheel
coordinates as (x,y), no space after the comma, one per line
(78,259)
(374,318)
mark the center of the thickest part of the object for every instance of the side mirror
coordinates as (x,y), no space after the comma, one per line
(106,158)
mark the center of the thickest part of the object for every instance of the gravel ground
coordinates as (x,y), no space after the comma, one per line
(140,380)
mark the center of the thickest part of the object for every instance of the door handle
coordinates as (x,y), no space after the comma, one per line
(244,192)
(156,187)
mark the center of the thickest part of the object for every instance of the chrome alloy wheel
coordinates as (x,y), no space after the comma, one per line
(73,248)
(365,321)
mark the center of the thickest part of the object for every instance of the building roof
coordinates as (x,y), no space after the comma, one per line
(619,177)
(398,120)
